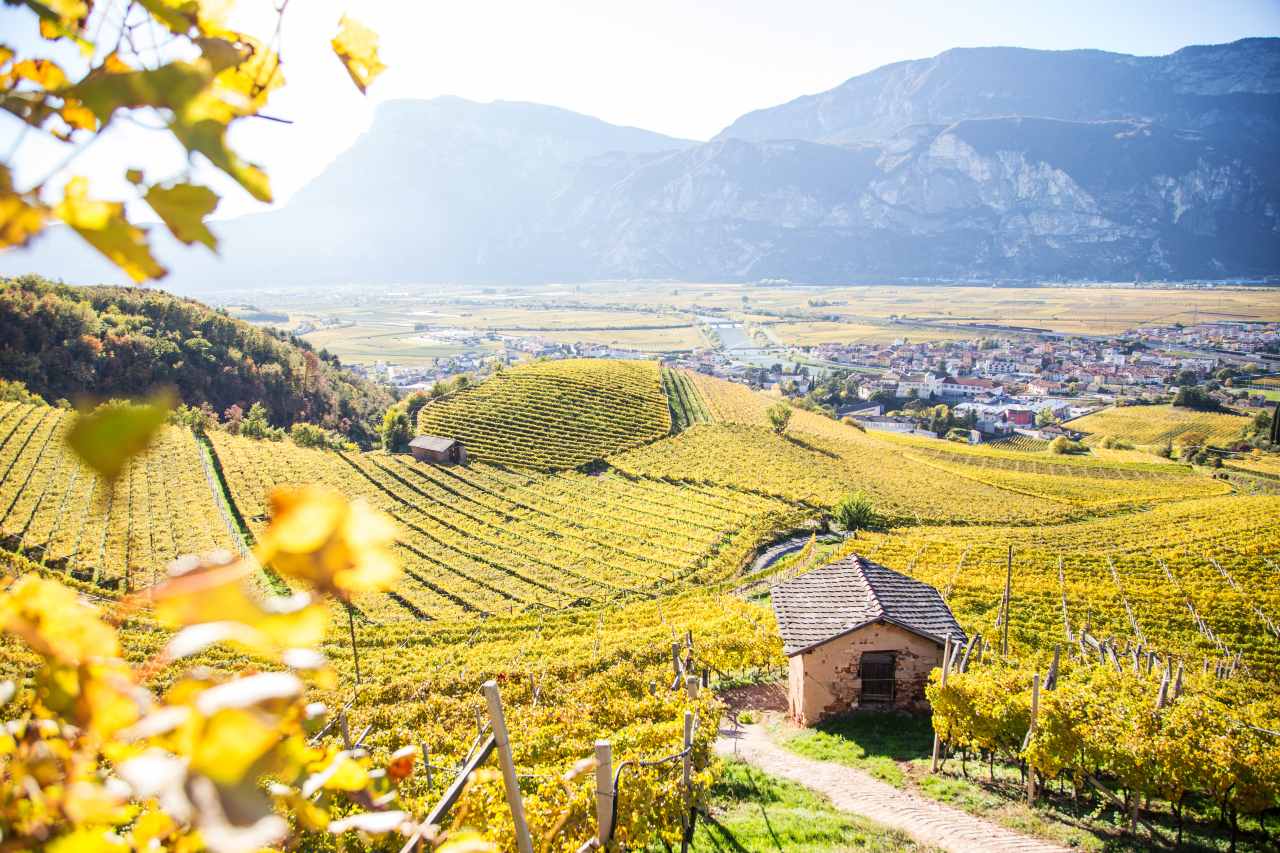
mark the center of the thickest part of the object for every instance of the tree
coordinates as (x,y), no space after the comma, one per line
(396,430)
(413,404)
(200,77)
(1194,397)
(779,417)
(256,425)
(855,512)
(1063,446)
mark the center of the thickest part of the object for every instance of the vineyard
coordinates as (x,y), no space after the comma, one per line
(484,539)
(1195,578)
(1149,425)
(686,403)
(569,587)
(57,512)
(554,415)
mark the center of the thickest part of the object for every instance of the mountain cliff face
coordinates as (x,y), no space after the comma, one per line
(1197,88)
(975,164)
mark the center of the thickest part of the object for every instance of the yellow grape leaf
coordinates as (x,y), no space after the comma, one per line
(183,208)
(179,16)
(114,85)
(340,546)
(88,803)
(151,825)
(88,840)
(231,743)
(209,137)
(67,12)
(104,226)
(110,435)
(78,116)
(467,841)
(21,217)
(357,46)
(51,619)
(44,73)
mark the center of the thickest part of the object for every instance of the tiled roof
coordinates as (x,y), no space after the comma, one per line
(432,442)
(839,597)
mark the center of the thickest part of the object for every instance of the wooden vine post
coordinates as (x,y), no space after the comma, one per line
(512,785)
(1031,731)
(355,651)
(689,724)
(946,664)
(604,793)
(691,684)
(1008,588)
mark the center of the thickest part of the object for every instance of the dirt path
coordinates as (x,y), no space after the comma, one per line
(854,791)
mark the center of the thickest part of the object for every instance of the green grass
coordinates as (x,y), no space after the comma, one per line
(896,749)
(872,742)
(752,811)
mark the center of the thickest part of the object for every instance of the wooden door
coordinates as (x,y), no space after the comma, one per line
(879,677)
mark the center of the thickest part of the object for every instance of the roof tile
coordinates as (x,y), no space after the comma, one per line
(834,599)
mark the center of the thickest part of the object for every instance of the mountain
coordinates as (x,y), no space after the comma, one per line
(66,342)
(1228,88)
(984,163)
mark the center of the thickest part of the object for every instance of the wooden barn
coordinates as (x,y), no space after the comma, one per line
(859,635)
(438,450)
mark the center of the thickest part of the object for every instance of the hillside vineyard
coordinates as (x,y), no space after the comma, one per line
(494,537)
(610,508)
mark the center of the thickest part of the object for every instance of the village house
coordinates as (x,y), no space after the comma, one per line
(859,635)
(438,450)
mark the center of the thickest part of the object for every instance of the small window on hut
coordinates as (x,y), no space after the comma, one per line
(877,676)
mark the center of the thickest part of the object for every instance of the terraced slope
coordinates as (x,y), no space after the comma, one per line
(1158,424)
(1156,574)
(484,539)
(684,399)
(554,415)
(57,512)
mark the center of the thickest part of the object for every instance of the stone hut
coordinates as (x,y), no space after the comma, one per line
(859,635)
(438,450)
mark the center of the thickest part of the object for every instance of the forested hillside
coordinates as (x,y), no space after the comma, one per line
(66,342)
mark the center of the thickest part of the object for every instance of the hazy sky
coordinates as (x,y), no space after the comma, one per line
(679,67)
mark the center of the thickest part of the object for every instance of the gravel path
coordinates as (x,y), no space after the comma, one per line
(852,790)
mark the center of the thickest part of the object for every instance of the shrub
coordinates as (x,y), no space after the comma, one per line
(396,430)
(853,422)
(779,417)
(1063,446)
(310,435)
(855,512)
(13,391)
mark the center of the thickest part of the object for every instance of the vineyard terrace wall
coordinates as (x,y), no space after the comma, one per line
(826,681)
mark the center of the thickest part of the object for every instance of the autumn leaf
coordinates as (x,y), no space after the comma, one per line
(110,435)
(113,86)
(340,546)
(103,224)
(357,46)
(55,623)
(183,208)
(209,137)
(21,216)
(43,72)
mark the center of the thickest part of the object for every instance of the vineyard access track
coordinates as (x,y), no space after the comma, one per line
(852,790)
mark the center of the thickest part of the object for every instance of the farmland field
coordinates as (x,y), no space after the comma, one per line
(1149,425)
(662,319)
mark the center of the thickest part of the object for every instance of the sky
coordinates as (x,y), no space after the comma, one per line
(678,67)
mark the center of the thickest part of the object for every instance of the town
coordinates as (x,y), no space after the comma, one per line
(995,386)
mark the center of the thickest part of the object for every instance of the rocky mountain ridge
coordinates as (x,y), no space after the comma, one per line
(978,164)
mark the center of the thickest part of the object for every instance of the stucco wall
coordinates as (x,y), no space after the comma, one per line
(825,681)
